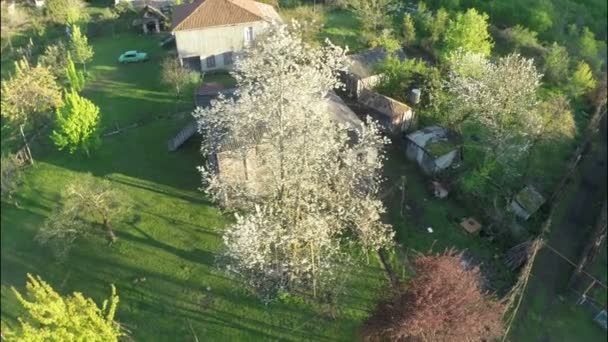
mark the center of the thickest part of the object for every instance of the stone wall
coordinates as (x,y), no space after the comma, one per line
(400,116)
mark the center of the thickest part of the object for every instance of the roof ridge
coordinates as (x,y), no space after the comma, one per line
(191,12)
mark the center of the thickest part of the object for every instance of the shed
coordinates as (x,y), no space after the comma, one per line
(395,117)
(361,73)
(153,20)
(527,202)
(433,148)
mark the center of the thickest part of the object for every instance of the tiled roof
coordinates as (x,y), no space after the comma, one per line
(208,13)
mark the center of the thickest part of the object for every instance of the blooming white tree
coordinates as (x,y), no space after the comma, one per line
(501,96)
(314,186)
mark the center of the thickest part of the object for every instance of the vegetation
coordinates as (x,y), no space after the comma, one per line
(311,190)
(65,12)
(80,48)
(29,93)
(76,124)
(10,176)
(85,199)
(75,77)
(52,317)
(174,75)
(469,32)
(444,302)
(165,251)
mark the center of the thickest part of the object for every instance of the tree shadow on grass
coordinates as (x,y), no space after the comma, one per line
(162,296)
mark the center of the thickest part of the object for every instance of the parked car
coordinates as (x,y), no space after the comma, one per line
(133,57)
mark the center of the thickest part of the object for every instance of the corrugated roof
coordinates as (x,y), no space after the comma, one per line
(208,13)
(363,63)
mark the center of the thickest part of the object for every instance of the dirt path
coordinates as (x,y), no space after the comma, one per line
(576,215)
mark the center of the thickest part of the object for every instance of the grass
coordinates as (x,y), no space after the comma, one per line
(443,216)
(172,238)
(343,28)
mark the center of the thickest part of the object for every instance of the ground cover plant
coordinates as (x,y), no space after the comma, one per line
(166,254)
(163,263)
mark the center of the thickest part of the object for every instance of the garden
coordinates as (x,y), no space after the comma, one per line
(166,262)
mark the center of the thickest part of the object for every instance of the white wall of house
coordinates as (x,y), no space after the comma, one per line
(215,42)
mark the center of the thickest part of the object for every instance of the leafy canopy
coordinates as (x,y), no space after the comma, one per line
(52,317)
(29,93)
(468,31)
(76,124)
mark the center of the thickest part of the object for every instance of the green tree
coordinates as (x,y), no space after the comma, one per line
(373,14)
(582,81)
(75,77)
(387,41)
(80,48)
(409,30)
(76,124)
(589,48)
(65,12)
(55,58)
(556,63)
(29,93)
(52,317)
(468,31)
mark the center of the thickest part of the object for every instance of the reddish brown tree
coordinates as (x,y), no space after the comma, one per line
(443,302)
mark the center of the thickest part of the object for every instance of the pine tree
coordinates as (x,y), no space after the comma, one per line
(75,78)
(409,30)
(77,124)
(80,48)
(52,317)
(582,81)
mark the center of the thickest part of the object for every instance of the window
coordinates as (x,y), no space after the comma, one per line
(210,61)
(227,58)
(248,35)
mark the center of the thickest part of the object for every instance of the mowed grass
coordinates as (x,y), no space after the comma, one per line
(171,238)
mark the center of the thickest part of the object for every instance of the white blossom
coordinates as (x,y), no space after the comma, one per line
(316,183)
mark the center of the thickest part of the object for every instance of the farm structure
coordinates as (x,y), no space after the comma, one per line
(433,148)
(210,34)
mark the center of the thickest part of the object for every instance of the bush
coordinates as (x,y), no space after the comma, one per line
(443,302)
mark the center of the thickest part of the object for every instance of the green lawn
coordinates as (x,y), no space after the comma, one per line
(342,27)
(173,236)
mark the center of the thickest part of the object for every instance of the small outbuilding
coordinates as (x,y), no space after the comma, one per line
(362,72)
(153,20)
(433,148)
(527,202)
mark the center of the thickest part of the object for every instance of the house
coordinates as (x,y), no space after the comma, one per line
(433,148)
(209,34)
(362,72)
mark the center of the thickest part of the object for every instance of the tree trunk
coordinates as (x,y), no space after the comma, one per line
(111,236)
(390,275)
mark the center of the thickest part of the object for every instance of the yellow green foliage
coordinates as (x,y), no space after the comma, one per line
(52,317)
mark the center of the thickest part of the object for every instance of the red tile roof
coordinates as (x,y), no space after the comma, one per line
(208,13)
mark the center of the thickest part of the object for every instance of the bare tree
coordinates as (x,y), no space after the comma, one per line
(174,75)
(88,202)
(443,302)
